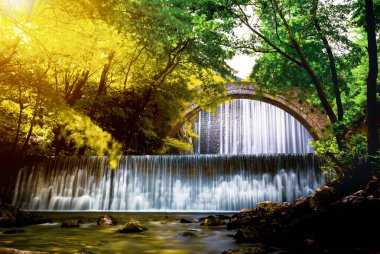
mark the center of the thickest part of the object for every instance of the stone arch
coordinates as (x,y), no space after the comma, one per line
(312,119)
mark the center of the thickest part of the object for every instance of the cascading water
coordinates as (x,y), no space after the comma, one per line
(166,183)
(250,127)
(228,181)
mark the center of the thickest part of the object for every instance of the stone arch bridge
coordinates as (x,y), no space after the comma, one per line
(311,118)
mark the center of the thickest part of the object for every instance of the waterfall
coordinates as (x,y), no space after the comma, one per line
(249,127)
(166,183)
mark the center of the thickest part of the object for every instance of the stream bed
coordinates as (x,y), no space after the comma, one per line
(165,234)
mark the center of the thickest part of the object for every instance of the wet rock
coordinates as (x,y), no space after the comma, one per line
(247,210)
(223,217)
(269,208)
(71,223)
(188,233)
(132,227)
(107,220)
(213,221)
(323,196)
(14,231)
(11,215)
(185,221)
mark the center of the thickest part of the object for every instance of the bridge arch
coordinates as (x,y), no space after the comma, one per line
(312,119)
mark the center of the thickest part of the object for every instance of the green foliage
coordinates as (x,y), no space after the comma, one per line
(336,159)
(323,148)
(80,130)
(175,144)
(81,75)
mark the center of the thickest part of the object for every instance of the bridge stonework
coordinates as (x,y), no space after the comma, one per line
(311,118)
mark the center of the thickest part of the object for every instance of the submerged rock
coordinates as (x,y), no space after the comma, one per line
(107,220)
(132,227)
(71,223)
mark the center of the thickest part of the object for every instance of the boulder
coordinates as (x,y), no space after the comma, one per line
(132,227)
(8,221)
(12,216)
(213,221)
(185,221)
(71,223)
(188,233)
(322,197)
(107,220)
(373,187)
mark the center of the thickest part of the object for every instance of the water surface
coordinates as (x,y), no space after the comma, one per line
(163,236)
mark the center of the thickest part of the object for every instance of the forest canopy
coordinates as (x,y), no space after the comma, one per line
(104,77)
(111,77)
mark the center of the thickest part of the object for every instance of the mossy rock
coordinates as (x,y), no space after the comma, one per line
(107,220)
(132,227)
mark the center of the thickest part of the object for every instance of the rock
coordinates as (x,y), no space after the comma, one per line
(14,231)
(213,221)
(8,221)
(373,187)
(132,227)
(11,216)
(248,234)
(247,210)
(188,233)
(107,220)
(309,242)
(223,217)
(71,223)
(185,221)
(269,208)
(322,197)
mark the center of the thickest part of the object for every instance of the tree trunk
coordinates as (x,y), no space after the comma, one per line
(334,74)
(36,107)
(21,105)
(372,109)
(340,131)
(102,84)
(77,93)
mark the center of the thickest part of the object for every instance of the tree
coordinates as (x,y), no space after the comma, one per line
(313,37)
(121,67)
(372,91)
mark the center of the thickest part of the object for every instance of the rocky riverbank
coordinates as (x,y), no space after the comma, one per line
(328,222)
